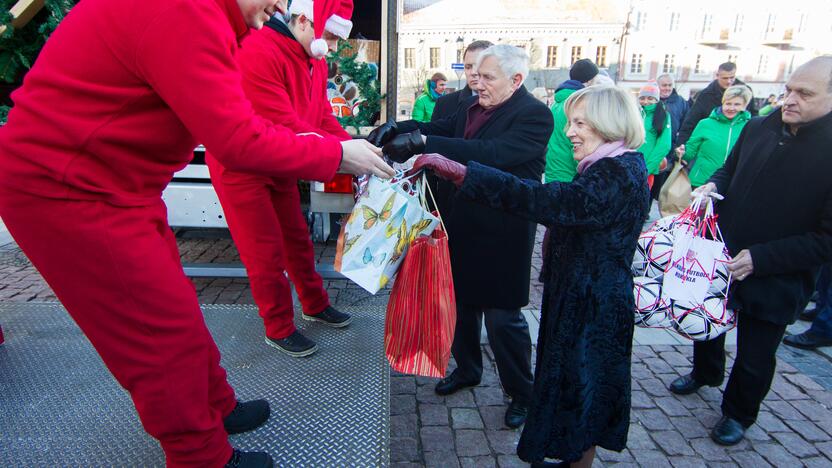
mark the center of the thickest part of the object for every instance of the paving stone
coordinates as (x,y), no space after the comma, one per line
(466,418)
(671,406)
(795,444)
(675,359)
(654,387)
(757,434)
(749,459)
(406,465)
(404,425)
(654,420)
(802,381)
(689,427)
(610,456)
(478,462)
(707,449)
(786,390)
(666,380)
(503,442)
(650,458)
(639,439)
(471,443)
(433,415)
(425,394)
(441,460)
(825,448)
(823,397)
(640,400)
(402,404)
(784,410)
(672,443)
(640,371)
(816,462)
(511,461)
(707,416)
(403,449)
(687,462)
(692,401)
(776,454)
(489,396)
(461,399)
(437,439)
(808,430)
(710,394)
(402,386)
(643,351)
(493,417)
(812,410)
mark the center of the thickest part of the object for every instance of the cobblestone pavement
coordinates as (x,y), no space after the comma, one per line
(466,429)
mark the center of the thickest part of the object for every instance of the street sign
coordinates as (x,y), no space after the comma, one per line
(457,66)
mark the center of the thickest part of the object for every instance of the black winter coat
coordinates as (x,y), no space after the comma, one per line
(582,376)
(447,104)
(678,109)
(490,249)
(778,204)
(705,102)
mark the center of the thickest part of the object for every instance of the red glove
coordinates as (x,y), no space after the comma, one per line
(443,167)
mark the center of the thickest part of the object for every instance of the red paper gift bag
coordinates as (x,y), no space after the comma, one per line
(421,313)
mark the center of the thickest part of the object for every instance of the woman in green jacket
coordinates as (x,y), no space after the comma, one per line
(434,89)
(657,132)
(714,137)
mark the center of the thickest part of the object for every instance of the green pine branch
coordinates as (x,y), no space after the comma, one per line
(364,77)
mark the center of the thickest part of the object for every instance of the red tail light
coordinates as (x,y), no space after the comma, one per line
(341,183)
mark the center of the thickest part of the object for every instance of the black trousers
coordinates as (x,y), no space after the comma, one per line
(508,335)
(753,371)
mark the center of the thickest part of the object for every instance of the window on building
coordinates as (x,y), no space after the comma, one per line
(459,53)
(552,57)
(791,65)
(408,58)
(674,21)
(697,67)
(601,56)
(707,23)
(731,58)
(434,57)
(641,21)
(669,65)
(576,53)
(762,66)
(635,64)
(771,23)
(738,22)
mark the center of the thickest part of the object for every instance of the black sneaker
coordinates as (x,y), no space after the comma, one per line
(295,345)
(247,415)
(330,316)
(240,459)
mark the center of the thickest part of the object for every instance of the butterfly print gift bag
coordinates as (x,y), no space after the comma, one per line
(386,219)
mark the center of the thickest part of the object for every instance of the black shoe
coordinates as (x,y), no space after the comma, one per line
(728,431)
(240,459)
(807,340)
(453,384)
(330,316)
(295,345)
(516,414)
(808,315)
(548,464)
(686,384)
(247,415)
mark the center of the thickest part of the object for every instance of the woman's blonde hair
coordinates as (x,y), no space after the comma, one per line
(611,111)
(737,91)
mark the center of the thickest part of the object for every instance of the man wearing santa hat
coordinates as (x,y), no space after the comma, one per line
(284,76)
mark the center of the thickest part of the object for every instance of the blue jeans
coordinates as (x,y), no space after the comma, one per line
(822,325)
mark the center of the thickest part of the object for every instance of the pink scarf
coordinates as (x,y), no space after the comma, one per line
(607,150)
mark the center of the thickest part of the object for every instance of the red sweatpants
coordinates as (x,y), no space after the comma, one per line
(117,272)
(272,236)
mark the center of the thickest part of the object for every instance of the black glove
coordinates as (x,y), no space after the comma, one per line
(402,147)
(383,133)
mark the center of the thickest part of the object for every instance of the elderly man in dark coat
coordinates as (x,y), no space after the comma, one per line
(507,128)
(777,223)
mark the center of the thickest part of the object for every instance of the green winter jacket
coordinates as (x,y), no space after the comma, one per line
(560,160)
(711,141)
(423,107)
(654,148)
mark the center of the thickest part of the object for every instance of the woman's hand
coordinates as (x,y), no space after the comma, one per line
(707,190)
(443,167)
(680,151)
(742,266)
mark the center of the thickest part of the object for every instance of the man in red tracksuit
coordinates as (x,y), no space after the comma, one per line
(285,79)
(117,100)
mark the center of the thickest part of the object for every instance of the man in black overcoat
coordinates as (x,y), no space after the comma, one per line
(504,127)
(776,220)
(446,105)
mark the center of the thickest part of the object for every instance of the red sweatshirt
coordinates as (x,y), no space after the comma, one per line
(285,85)
(123,91)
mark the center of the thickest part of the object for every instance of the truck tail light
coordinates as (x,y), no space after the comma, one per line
(341,183)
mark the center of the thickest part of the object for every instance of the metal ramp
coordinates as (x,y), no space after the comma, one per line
(60,407)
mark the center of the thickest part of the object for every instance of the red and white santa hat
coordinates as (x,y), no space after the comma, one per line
(330,15)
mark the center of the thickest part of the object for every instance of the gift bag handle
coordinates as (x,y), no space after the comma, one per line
(432,199)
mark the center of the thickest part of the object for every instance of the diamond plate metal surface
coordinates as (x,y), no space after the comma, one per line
(59,406)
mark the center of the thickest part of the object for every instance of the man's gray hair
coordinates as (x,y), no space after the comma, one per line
(512,60)
(668,76)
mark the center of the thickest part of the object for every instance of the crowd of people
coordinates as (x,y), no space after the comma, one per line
(502,163)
